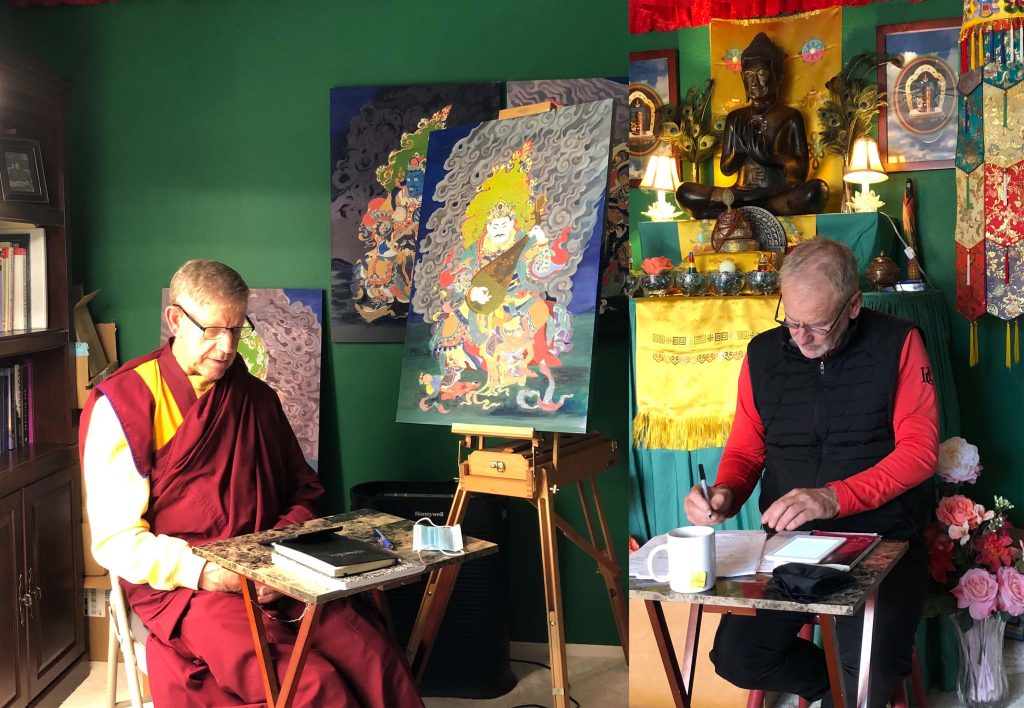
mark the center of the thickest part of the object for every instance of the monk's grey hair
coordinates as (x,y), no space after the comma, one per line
(822,257)
(206,281)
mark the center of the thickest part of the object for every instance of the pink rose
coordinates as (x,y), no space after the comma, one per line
(658,264)
(1011,591)
(977,591)
(957,510)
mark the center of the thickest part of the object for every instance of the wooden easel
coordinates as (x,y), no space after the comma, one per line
(532,466)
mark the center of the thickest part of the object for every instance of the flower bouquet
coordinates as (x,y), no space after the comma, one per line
(972,555)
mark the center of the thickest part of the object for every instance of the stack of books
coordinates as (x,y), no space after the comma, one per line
(339,562)
(22,279)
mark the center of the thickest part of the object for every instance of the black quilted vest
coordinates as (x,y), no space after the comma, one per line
(828,419)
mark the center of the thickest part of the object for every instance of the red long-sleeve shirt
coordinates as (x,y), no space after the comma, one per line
(915,425)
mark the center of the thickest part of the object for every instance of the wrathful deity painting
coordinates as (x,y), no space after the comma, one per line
(284,351)
(501,320)
(616,258)
(378,158)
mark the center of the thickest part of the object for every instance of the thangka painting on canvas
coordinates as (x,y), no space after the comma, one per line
(378,156)
(616,258)
(501,320)
(284,351)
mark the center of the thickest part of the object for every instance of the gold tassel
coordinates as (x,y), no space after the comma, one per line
(1009,362)
(972,335)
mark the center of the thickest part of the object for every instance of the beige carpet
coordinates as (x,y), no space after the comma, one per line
(597,675)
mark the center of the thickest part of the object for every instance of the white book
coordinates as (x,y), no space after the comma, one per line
(804,549)
(33,240)
(347,582)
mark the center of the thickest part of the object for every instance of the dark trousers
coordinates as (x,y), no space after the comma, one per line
(764,652)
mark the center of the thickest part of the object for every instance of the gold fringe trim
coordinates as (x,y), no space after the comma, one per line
(660,429)
(972,333)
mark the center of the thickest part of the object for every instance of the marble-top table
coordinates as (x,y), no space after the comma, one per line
(753,593)
(250,557)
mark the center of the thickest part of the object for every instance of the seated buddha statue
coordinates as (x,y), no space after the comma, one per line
(764,144)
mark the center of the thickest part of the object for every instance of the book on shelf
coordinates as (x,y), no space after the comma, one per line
(333,554)
(23,273)
(380,576)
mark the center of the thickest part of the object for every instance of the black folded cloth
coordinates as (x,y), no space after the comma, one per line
(805,582)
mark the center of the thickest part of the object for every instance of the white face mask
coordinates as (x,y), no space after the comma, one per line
(447,539)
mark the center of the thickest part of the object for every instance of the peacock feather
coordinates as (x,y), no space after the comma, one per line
(850,105)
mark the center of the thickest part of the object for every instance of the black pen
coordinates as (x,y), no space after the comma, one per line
(704,488)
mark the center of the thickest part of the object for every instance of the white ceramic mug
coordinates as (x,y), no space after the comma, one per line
(691,559)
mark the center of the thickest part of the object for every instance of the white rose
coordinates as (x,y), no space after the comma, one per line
(958,461)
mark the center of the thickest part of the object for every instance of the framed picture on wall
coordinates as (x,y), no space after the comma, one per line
(653,83)
(917,126)
(21,171)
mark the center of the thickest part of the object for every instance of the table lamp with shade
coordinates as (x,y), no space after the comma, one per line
(661,175)
(865,168)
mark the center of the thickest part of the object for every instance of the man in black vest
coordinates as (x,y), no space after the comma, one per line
(837,417)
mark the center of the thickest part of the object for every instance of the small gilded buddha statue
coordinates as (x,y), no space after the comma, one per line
(764,144)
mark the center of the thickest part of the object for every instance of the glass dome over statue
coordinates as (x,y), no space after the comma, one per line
(764,144)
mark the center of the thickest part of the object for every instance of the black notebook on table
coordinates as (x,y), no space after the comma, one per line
(334,555)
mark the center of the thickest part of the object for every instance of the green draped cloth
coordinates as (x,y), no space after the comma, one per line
(659,479)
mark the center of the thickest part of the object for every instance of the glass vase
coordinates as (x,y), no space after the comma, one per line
(981,679)
(655,285)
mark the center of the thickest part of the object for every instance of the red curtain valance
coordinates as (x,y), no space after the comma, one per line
(667,15)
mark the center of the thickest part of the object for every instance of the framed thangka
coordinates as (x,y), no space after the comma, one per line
(653,84)
(501,320)
(284,351)
(616,257)
(917,127)
(378,156)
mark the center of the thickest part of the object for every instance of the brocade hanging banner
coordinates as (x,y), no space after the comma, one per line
(970,244)
(668,15)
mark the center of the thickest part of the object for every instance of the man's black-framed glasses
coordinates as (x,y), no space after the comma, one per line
(215,333)
(812,328)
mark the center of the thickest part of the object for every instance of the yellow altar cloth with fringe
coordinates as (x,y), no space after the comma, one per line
(688,357)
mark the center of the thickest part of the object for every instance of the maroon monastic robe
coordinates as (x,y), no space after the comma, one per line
(234,467)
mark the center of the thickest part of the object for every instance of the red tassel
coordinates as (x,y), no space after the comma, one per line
(963,57)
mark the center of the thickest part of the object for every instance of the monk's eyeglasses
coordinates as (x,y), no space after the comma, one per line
(815,329)
(215,333)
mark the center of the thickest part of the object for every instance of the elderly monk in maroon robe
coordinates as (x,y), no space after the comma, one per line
(183,446)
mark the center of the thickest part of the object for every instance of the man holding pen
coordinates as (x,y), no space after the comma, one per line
(836,415)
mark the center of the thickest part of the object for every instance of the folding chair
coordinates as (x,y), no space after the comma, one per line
(128,634)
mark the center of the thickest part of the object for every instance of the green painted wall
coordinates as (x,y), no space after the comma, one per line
(200,129)
(991,398)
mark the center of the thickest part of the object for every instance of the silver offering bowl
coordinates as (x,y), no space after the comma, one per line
(726,283)
(692,283)
(763,282)
(656,284)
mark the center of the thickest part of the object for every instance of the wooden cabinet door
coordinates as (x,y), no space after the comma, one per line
(13,680)
(56,636)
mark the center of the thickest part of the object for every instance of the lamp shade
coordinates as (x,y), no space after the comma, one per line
(865,166)
(662,173)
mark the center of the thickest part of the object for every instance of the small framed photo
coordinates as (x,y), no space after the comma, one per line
(917,127)
(21,171)
(653,83)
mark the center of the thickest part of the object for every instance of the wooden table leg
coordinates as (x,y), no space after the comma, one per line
(864,676)
(832,660)
(303,642)
(259,638)
(677,686)
(552,594)
(435,601)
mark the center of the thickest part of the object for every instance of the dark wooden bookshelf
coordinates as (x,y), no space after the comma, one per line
(41,602)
